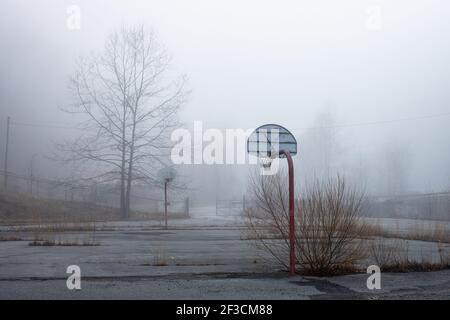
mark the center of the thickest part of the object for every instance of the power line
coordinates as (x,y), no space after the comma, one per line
(369,123)
(356,124)
(45,125)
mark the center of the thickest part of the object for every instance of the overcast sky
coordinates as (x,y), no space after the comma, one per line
(253,62)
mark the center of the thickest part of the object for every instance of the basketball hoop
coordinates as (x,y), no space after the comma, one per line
(167,174)
(269,142)
(266,162)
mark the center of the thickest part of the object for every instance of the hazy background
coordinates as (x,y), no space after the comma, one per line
(302,64)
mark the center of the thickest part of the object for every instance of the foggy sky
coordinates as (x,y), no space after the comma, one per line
(250,63)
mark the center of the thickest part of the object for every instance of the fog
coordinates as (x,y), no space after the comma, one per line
(367,100)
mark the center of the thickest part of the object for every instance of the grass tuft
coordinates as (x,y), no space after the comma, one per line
(52,243)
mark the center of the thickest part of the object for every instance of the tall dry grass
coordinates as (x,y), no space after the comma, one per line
(428,231)
(393,256)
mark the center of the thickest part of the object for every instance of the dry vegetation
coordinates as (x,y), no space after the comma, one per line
(421,231)
(11,238)
(56,237)
(329,230)
(159,256)
(17,208)
(331,235)
(62,243)
(61,215)
(394,257)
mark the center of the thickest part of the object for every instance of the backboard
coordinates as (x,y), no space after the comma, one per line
(269,139)
(167,173)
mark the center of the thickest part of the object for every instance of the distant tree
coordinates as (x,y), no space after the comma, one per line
(396,166)
(321,146)
(131,103)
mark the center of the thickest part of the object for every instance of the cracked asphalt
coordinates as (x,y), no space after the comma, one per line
(203,263)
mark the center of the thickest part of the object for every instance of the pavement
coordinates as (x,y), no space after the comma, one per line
(185,262)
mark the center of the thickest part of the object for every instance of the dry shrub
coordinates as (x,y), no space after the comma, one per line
(330,228)
(386,254)
(394,257)
(159,254)
(328,224)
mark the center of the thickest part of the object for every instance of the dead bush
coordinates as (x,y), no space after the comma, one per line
(328,224)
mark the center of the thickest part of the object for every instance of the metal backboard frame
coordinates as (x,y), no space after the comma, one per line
(270,138)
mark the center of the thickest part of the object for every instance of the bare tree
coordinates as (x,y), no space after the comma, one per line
(130,101)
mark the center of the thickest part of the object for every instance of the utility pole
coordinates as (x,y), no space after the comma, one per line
(5,171)
(32,172)
(165,203)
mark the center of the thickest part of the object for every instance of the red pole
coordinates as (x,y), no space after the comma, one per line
(291,212)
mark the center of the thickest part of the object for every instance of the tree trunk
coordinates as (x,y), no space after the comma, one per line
(130,166)
(123,206)
(123,211)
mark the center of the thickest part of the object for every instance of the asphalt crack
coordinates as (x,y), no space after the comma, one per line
(331,291)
